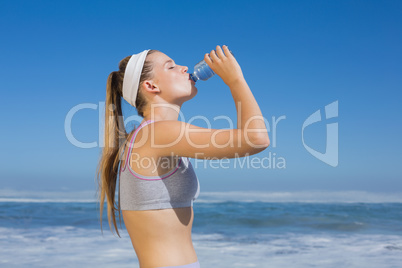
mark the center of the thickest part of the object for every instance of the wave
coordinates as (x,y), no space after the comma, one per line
(31,200)
(77,247)
(315,196)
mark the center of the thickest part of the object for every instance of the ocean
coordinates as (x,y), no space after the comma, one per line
(235,229)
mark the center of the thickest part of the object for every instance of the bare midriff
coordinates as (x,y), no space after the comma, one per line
(161,237)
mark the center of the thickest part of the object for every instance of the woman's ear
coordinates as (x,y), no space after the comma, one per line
(150,86)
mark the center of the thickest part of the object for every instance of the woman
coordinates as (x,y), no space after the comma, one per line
(157,182)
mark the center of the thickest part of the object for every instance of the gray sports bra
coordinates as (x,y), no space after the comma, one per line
(177,188)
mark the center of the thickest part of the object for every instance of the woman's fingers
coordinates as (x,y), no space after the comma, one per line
(224,65)
(217,56)
(213,56)
(219,52)
(207,59)
(227,51)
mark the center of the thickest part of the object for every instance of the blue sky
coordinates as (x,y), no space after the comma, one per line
(297,57)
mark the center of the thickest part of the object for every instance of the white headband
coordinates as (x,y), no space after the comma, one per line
(132,76)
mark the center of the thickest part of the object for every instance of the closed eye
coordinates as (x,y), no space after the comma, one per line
(172,67)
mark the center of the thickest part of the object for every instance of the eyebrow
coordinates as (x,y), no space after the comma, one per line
(167,62)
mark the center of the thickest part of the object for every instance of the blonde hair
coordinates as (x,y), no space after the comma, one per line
(115,133)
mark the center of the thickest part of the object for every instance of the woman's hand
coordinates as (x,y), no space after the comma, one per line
(224,65)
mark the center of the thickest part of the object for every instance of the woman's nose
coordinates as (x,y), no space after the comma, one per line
(184,69)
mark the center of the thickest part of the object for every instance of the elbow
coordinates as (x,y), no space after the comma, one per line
(262,141)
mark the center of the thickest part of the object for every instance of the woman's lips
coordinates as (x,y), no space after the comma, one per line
(189,78)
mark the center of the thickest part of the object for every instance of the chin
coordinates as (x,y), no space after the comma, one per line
(195,89)
(194,92)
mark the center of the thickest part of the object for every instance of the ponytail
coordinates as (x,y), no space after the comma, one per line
(116,138)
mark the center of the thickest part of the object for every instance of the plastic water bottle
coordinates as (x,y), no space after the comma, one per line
(202,71)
